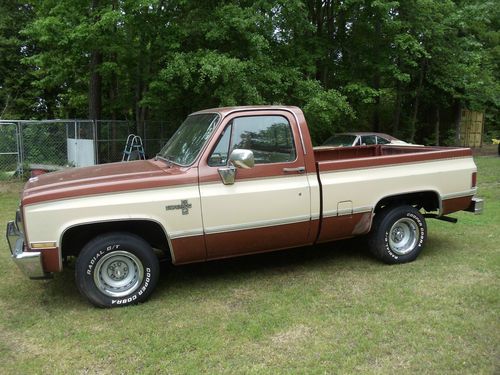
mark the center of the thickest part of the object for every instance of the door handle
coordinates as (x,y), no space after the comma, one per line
(294,170)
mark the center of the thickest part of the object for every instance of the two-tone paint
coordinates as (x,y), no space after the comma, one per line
(320,196)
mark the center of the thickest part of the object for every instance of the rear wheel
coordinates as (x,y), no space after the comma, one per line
(398,234)
(117,269)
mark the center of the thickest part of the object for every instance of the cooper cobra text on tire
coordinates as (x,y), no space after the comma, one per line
(117,269)
(398,234)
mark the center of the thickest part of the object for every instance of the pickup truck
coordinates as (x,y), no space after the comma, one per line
(232,181)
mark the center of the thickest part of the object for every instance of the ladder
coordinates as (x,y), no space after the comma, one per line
(133,146)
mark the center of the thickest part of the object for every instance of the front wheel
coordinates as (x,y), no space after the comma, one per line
(398,234)
(117,269)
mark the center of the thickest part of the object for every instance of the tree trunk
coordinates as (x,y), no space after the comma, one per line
(321,15)
(113,97)
(437,126)
(138,95)
(376,115)
(396,118)
(413,122)
(458,120)
(377,79)
(340,37)
(6,106)
(95,85)
(376,111)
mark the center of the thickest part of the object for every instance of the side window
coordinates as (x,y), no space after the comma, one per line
(221,152)
(369,140)
(269,137)
(382,141)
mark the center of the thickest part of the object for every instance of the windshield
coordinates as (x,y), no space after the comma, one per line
(340,140)
(185,145)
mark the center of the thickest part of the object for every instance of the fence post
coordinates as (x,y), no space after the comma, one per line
(77,151)
(96,143)
(20,147)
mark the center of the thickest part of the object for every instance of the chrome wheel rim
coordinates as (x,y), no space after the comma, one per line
(403,236)
(118,274)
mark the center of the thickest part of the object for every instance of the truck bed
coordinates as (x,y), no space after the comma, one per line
(336,158)
(354,180)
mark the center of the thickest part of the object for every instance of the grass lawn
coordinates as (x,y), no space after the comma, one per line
(323,309)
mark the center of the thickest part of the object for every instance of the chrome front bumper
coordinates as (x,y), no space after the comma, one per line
(476,206)
(29,262)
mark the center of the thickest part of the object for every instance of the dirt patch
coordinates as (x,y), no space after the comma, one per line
(486,150)
(291,336)
(10,187)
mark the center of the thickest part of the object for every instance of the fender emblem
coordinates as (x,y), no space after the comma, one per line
(184,206)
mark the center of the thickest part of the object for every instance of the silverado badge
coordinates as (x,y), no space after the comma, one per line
(184,206)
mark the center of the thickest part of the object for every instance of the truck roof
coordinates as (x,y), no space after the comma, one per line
(227,110)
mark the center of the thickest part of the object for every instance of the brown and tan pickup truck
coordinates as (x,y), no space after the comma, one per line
(232,181)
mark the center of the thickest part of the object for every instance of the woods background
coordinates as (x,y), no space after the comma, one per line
(403,67)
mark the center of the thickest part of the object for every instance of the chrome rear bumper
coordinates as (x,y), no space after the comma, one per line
(30,263)
(476,206)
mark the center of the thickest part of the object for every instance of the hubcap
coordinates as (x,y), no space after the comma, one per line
(118,274)
(403,236)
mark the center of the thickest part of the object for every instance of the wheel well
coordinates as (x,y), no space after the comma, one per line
(76,237)
(428,200)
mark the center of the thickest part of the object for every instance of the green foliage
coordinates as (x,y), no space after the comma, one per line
(16,98)
(326,112)
(365,64)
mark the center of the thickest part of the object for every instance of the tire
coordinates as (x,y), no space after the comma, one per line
(398,234)
(116,269)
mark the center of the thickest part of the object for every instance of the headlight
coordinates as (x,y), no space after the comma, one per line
(19,221)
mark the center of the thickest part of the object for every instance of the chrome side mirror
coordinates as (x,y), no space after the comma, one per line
(242,158)
(239,158)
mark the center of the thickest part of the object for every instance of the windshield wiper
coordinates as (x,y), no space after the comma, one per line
(169,159)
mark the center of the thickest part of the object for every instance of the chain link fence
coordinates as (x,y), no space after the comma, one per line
(112,136)
(10,157)
(48,145)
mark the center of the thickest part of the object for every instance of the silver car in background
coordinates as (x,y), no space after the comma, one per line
(363,139)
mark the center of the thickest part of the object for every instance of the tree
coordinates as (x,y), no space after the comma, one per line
(16,95)
(352,64)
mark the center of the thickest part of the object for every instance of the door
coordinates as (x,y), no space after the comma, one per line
(268,207)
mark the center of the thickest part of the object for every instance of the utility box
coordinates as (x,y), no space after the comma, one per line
(80,144)
(471,128)
(81,152)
